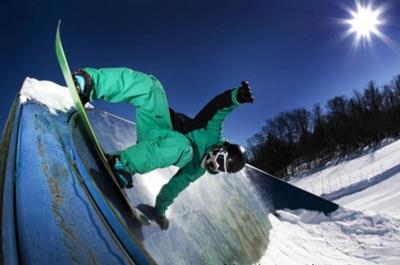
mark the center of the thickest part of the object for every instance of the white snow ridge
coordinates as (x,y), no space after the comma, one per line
(345,237)
(369,233)
(50,94)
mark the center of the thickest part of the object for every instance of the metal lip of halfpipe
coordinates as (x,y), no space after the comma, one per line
(114,208)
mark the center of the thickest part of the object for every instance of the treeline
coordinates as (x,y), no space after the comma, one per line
(302,139)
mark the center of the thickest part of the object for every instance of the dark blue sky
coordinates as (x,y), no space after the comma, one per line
(287,49)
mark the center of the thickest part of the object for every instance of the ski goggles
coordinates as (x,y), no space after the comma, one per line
(216,161)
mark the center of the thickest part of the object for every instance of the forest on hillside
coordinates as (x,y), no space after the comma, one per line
(303,139)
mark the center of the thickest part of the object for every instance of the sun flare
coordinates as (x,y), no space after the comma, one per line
(365,23)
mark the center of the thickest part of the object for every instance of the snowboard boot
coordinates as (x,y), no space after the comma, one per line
(83,84)
(124,178)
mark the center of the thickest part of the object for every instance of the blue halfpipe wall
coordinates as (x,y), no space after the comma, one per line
(57,206)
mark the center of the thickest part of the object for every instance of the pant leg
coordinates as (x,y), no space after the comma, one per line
(169,148)
(141,90)
(158,145)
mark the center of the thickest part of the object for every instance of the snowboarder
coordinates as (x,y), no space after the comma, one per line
(166,137)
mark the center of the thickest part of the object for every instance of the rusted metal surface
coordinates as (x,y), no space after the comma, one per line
(58,223)
(116,209)
(8,249)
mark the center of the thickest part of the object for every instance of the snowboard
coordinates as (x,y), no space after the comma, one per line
(136,213)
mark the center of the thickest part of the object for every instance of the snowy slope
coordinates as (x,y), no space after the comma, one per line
(365,231)
(346,237)
(383,197)
(368,182)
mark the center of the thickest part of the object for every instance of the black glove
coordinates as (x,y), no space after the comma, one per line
(162,221)
(244,94)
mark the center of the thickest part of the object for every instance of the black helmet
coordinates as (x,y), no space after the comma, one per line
(226,158)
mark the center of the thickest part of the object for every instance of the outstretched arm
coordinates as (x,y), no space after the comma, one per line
(184,124)
(215,112)
(223,101)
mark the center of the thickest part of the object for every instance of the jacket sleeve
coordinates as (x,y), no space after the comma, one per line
(215,113)
(173,188)
(211,117)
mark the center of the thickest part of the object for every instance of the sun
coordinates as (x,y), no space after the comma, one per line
(365,23)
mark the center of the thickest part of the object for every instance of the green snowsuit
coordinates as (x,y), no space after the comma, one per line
(164,137)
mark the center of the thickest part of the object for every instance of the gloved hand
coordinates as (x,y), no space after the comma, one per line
(244,94)
(162,221)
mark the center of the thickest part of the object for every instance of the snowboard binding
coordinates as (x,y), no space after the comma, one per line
(124,178)
(83,84)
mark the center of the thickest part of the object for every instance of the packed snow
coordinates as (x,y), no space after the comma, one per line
(365,231)
(345,237)
(369,182)
(50,94)
(53,96)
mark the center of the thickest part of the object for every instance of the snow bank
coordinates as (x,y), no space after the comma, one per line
(383,197)
(363,184)
(370,182)
(379,164)
(345,237)
(50,94)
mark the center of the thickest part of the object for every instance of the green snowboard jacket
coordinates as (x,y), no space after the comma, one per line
(204,131)
(164,137)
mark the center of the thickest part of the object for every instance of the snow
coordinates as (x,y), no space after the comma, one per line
(365,230)
(369,182)
(50,94)
(53,96)
(383,197)
(155,180)
(345,237)
(378,165)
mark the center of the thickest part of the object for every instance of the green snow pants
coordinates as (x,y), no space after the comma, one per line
(158,145)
